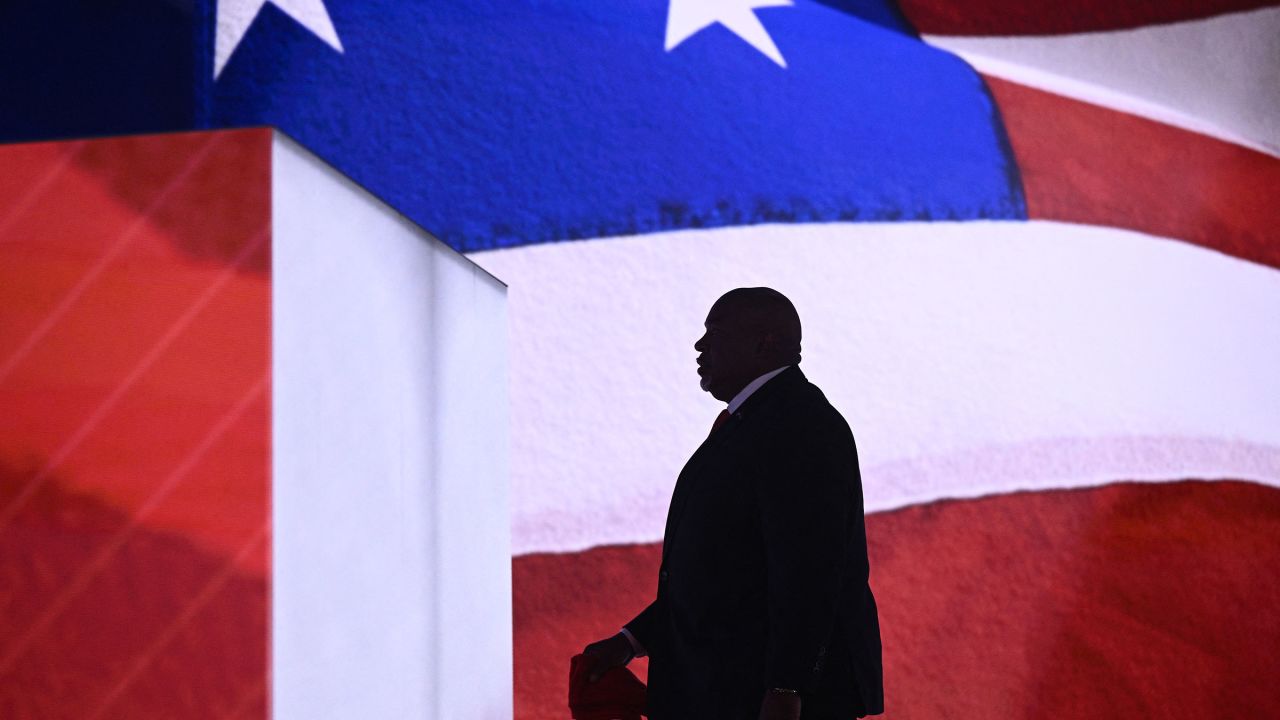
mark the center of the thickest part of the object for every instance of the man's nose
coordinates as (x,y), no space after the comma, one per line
(697,344)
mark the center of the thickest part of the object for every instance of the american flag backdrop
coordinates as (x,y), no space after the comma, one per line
(1035,251)
(135,442)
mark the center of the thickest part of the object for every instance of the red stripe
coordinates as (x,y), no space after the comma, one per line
(120,390)
(24,195)
(1131,600)
(1088,164)
(159,281)
(54,605)
(1017,17)
(188,628)
(253,704)
(118,245)
(131,571)
(138,667)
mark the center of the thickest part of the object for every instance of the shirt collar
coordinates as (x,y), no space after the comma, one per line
(751,387)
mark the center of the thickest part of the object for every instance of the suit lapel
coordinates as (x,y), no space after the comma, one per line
(687,482)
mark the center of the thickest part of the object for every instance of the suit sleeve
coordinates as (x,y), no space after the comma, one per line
(645,627)
(805,505)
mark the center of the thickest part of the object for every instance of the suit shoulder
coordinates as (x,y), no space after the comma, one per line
(808,407)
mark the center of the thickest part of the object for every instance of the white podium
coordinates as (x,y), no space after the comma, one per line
(254,442)
(392,553)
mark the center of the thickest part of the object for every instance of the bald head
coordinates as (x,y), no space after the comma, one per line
(749,331)
(769,314)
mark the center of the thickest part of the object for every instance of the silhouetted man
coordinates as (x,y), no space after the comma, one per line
(763,607)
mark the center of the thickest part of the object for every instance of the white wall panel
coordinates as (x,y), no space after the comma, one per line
(391,583)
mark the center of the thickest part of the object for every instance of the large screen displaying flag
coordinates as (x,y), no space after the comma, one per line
(1035,251)
(135,445)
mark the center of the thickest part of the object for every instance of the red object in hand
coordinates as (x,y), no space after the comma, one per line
(617,695)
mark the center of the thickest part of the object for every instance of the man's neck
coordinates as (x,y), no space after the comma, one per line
(751,387)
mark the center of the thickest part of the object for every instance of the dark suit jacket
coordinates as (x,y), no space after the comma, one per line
(764,569)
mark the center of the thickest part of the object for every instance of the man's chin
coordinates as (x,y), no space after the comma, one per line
(705,384)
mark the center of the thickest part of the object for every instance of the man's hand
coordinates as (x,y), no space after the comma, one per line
(780,706)
(608,654)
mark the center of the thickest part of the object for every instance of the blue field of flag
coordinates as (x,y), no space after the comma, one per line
(496,123)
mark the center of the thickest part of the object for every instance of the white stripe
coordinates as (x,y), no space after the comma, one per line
(1218,77)
(969,358)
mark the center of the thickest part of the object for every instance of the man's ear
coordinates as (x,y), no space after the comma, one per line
(768,343)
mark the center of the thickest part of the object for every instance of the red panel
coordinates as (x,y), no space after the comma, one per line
(1087,164)
(135,442)
(1017,17)
(1131,600)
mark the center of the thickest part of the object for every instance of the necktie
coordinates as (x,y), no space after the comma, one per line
(721,419)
